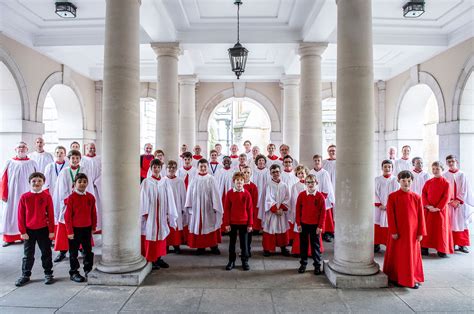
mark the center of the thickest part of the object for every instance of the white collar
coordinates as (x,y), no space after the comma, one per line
(313,193)
(34,192)
(80,193)
(235,190)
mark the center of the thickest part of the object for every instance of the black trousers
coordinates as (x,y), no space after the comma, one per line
(243,238)
(309,230)
(40,236)
(82,236)
(249,242)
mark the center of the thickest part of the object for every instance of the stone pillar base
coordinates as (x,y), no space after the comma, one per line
(135,278)
(343,281)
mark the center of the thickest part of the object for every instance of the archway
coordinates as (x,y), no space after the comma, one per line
(418,117)
(235,120)
(466,117)
(147,121)
(62,117)
(10,113)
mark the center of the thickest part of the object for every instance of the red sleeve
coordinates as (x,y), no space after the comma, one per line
(377,204)
(227,206)
(424,195)
(255,197)
(282,206)
(22,215)
(443,202)
(325,195)
(94,214)
(50,213)
(421,218)
(4,186)
(68,215)
(392,222)
(298,210)
(249,210)
(273,209)
(321,204)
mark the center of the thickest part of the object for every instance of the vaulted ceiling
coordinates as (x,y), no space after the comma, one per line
(270,29)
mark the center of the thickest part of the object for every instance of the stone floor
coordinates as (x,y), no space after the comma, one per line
(200,284)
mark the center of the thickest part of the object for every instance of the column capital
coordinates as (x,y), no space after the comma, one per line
(286,80)
(188,79)
(381,85)
(170,49)
(311,49)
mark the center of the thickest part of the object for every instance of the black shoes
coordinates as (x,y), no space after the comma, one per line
(284,251)
(48,279)
(376,248)
(215,250)
(177,249)
(266,253)
(442,255)
(463,249)
(416,286)
(5,244)
(424,251)
(327,237)
(60,257)
(162,263)
(200,251)
(317,270)
(245,265)
(302,269)
(230,266)
(77,278)
(22,281)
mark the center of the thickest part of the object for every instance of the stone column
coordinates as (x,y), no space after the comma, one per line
(381,149)
(187,110)
(121,262)
(311,116)
(291,113)
(353,264)
(167,135)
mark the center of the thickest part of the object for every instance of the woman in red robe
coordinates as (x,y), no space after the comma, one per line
(435,201)
(406,226)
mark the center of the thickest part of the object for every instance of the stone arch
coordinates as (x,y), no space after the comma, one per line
(57,78)
(460,85)
(429,80)
(214,101)
(20,82)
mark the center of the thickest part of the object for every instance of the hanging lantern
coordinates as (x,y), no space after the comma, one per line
(238,54)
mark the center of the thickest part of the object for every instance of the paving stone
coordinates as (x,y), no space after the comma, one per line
(308,301)
(26,310)
(162,299)
(98,298)
(236,301)
(372,300)
(435,299)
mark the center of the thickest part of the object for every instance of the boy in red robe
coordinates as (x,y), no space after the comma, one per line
(238,206)
(80,219)
(36,225)
(435,198)
(310,218)
(406,226)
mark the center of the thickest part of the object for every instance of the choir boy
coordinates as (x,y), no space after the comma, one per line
(197,155)
(406,224)
(250,187)
(285,151)
(384,185)
(271,157)
(460,205)
(41,157)
(53,169)
(14,183)
(288,175)
(184,148)
(242,162)
(238,204)
(255,153)
(234,149)
(435,197)
(403,163)
(75,146)
(36,225)
(80,218)
(330,165)
(187,172)
(218,148)
(260,177)
(214,164)
(248,149)
(158,213)
(205,211)
(224,181)
(392,153)
(419,175)
(310,219)
(177,235)
(275,221)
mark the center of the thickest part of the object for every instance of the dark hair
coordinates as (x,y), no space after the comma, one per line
(187,155)
(73,153)
(243,155)
(74,143)
(156,162)
(158,151)
(275,166)
(260,156)
(81,176)
(406,146)
(247,141)
(414,159)
(238,175)
(387,162)
(172,163)
(405,174)
(317,156)
(36,175)
(451,157)
(203,161)
(60,147)
(437,164)
(287,157)
(213,151)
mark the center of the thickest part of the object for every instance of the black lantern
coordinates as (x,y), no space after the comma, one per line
(413,9)
(66,9)
(238,54)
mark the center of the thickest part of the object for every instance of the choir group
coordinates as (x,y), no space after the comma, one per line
(194,201)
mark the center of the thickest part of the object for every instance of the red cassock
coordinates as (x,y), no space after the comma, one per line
(253,190)
(438,227)
(402,262)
